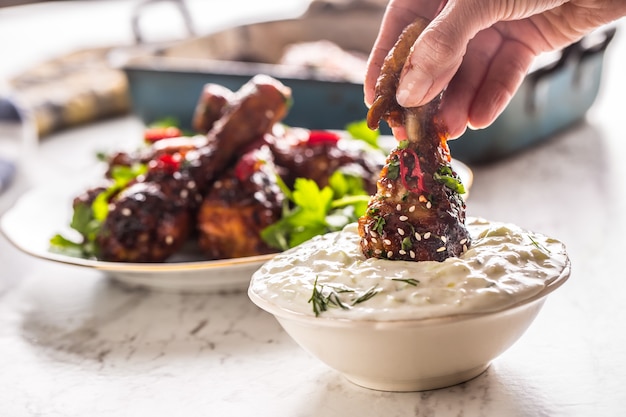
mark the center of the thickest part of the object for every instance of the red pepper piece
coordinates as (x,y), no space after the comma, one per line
(317,137)
(415,173)
(246,166)
(153,134)
(166,162)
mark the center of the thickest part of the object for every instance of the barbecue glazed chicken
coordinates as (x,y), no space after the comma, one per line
(417,213)
(218,188)
(241,203)
(150,217)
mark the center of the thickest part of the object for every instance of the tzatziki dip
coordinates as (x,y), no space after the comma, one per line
(329,276)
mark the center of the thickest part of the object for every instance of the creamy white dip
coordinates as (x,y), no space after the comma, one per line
(503,266)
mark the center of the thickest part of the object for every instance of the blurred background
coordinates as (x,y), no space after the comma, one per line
(71,63)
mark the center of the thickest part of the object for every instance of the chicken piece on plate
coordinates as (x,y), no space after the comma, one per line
(240,204)
(211,105)
(150,218)
(316,155)
(143,225)
(256,107)
(417,213)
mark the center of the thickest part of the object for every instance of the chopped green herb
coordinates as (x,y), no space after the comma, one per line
(379,225)
(445,176)
(410,281)
(406,243)
(324,297)
(367,295)
(538,245)
(393,169)
(372,211)
(322,302)
(87,219)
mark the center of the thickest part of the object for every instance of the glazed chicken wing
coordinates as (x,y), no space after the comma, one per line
(240,204)
(417,213)
(211,105)
(149,220)
(316,155)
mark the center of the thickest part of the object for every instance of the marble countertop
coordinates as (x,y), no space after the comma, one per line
(75,343)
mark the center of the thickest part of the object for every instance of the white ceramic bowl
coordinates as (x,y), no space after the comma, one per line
(411,355)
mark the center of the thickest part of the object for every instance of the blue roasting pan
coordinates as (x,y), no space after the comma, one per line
(166,81)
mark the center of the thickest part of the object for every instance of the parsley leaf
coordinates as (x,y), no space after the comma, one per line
(311,211)
(87,219)
(359,130)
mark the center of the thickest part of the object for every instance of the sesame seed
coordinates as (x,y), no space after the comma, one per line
(403,218)
(389,254)
(426,235)
(126,212)
(388,195)
(177,175)
(191,185)
(373,233)
(400,232)
(412,254)
(428,205)
(441,249)
(402,252)
(463,241)
(269,114)
(387,242)
(464,248)
(377,251)
(444,239)
(184,193)
(411,209)
(398,207)
(169,240)
(417,236)
(374,240)
(390,185)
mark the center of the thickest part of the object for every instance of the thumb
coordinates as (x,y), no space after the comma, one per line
(437,53)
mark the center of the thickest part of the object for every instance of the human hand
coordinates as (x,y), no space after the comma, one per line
(479,50)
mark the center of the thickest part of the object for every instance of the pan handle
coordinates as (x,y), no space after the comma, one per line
(574,54)
(181,6)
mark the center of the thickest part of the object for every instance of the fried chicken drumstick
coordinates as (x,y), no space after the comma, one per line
(417,213)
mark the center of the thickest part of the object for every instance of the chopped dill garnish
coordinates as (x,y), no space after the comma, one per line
(538,245)
(410,281)
(324,297)
(367,295)
(323,302)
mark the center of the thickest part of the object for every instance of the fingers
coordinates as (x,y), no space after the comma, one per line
(506,72)
(438,52)
(485,83)
(398,15)
(460,93)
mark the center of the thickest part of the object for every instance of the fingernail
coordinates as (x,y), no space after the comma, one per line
(412,89)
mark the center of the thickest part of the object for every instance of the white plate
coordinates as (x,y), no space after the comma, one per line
(43,212)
